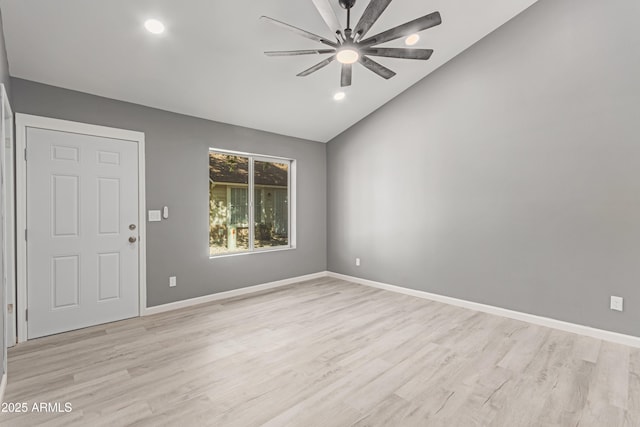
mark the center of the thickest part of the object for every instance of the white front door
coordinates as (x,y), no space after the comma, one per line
(82,230)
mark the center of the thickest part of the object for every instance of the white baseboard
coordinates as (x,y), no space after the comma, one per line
(229,294)
(3,385)
(588,331)
(615,337)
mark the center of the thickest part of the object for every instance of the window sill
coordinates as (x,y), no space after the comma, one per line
(255,251)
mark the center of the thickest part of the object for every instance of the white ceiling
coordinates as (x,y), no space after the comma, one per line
(209,63)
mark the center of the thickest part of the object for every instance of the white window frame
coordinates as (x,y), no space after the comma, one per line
(291,188)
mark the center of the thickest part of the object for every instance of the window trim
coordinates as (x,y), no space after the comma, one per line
(291,188)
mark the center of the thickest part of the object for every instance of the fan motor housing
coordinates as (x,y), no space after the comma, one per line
(347,4)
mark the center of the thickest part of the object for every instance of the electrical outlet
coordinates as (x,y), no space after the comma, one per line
(172,281)
(616,303)
(357,262)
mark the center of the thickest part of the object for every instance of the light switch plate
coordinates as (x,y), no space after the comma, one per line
(616,303)
(155,216)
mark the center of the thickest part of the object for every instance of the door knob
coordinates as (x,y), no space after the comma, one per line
(132,227)
(132,239)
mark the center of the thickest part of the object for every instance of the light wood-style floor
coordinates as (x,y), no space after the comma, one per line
(325,353)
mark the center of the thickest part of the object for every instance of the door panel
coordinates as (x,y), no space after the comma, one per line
(65,281)
(82,196)
(64,205)
(108,276)
(108,205)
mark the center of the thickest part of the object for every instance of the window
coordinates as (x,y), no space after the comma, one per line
(250,206)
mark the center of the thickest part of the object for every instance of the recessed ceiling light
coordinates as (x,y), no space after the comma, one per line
(412,39)
(347,56)
(339,96)
(154,26)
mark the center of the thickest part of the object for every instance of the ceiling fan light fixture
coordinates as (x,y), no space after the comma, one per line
(412,39)
(352,45)
(347,56)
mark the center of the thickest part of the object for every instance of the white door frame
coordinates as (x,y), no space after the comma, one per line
(8,258)
(24,121)
(9,232)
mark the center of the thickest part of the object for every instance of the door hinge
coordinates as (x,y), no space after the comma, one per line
(25,154)
(26,315)
(25,234)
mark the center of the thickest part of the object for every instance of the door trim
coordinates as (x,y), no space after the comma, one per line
(24,121)
(8,242)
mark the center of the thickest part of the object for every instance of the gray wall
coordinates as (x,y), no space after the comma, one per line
(4,78)
(510,176)
(177,176)
(4,63)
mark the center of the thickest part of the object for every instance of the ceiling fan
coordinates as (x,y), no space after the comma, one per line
(351,46)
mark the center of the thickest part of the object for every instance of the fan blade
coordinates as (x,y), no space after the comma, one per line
(298,52)
(317,66)
(299,32)
(404,30)
(345,78)
(377,68)
(370,16)
(391,52)
(328,15)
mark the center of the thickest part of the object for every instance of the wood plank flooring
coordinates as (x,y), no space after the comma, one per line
(325,353)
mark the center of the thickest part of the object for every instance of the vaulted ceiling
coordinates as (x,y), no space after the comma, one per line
(209,62)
